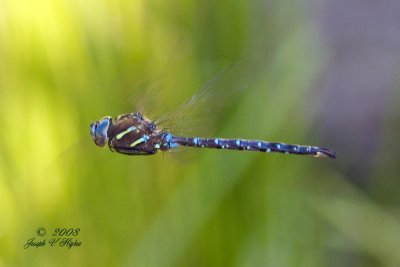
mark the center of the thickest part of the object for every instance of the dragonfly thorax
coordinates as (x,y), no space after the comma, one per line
(130,134)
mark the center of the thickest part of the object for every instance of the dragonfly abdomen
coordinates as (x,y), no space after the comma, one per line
(251,145)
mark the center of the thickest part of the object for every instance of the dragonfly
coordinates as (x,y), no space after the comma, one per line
(134,134)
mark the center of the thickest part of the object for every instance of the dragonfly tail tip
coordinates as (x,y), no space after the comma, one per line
(326,152)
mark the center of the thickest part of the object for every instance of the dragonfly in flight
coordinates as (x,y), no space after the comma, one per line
(134,134)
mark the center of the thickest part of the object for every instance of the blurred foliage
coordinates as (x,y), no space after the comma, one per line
(67,63)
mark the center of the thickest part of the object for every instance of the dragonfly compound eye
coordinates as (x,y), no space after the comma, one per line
(99,131)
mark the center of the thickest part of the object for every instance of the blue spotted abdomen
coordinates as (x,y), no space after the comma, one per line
(251,145)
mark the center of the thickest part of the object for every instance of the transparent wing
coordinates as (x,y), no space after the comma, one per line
(202,113)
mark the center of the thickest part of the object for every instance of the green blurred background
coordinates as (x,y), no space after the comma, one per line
(315,72)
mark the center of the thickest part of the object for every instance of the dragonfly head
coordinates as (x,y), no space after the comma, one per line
(99,131)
